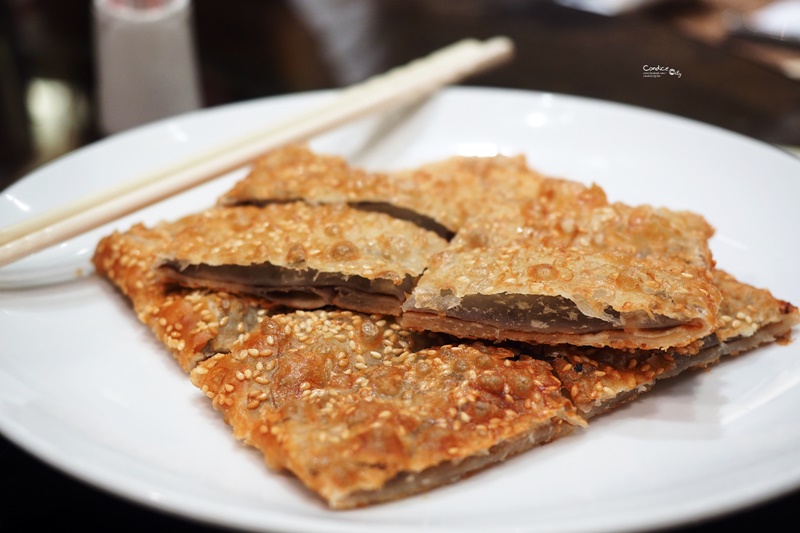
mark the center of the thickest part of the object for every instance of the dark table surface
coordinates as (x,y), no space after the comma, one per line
(252,49)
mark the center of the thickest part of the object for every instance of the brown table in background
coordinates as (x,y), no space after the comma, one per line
(253,49)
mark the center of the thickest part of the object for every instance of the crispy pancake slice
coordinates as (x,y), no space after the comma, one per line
(294,173)
(301,255)
(598,380)
(535,259)
(342,401)
(192,324)
(363,411)
(568,267)
(439,196)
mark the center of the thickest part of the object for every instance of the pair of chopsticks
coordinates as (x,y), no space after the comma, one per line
(386,91)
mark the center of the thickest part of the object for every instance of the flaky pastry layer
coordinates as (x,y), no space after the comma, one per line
(360,418)
(302,255)
(570,267)
(439,196)
(364,410)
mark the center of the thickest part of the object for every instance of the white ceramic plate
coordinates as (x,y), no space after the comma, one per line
(85,386)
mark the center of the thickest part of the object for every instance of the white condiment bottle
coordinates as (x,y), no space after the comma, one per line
(146,61)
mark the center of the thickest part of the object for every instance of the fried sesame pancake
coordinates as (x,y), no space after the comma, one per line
(534,259)
(193,324)
(439,196)
(568,267)
(360,410)
(301,255)
(342,401)
(363,411)
(599,379)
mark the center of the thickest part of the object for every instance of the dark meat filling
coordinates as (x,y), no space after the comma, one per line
(402,213)
(418,219)
(541,314)
(304,289)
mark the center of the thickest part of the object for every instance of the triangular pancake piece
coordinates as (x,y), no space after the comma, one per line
(439,196)
(342,401)
(301,255)
(363,411)
(570,267)
(192,323)
(598,380)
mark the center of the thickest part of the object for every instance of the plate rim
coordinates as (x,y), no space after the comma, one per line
(28,443)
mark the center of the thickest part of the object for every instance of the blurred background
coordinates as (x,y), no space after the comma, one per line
(734,64)
(738,62)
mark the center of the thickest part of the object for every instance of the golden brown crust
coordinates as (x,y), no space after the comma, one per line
(192,324)
(747,309)
(295,172)
(597,380)
(454,190)
(296,246)
(359,379)
(344,403)
(645,272)
(467,183)
(326,238)
(362,410)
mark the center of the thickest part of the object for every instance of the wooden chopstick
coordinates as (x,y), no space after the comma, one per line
(395,87)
